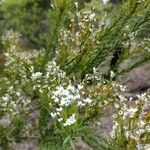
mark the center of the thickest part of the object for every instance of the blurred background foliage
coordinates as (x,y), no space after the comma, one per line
(28,17)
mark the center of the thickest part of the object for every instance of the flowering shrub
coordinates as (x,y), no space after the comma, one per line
(47,94)
(62,106)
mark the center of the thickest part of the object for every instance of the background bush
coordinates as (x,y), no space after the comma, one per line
(28,17)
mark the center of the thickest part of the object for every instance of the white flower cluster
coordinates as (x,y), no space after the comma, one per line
(23,79)
(14,102)
(133,117)
(70,121)
(64,99)
(86,24)
(10,38)
(19,59)
(143,146)
(20,66)
(36,75)
(53,75)
(135,45)
(143,45)
(67,96)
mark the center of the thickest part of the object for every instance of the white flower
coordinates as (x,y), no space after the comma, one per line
(65,93)
(147,146)
(36,75)
(71,88)
(92,17)
(56,100)
(127,134)
(65,102)
(139,147)
(53,115)
(5,98)
(141,131)
(120,112)
(122,88)
(94,70)
(76,4)
(131,112)
(41,90)
(105,1)
(104,82)
(122,98)
(113,134)
(77,96)
(60,89)
(116,105)
(114,116)
(65,96)
(142,96)
(124,107)
(70,97)
(87,100)
(31,69)
(52,6)
(59,109)
(55,94)
(80,87)
(112,74)
(141,123)
(70,121)
(80,103)
(60,119)
(18,93)
(58,113)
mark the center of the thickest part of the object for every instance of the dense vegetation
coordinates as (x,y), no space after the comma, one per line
(53,87)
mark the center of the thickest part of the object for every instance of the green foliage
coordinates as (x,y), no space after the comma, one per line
(59,10)
(17,126)
(94,140)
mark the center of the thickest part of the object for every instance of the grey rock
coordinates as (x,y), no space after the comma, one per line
(138,80)
(28,145)
(80,145)
(5,121)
